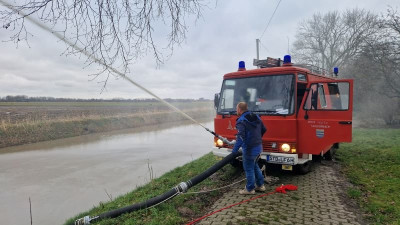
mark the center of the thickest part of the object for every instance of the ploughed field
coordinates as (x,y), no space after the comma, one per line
(22,112)
(29,122)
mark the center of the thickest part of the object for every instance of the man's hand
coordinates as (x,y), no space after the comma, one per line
(232,143)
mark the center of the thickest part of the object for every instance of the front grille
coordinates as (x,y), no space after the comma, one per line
(267,146)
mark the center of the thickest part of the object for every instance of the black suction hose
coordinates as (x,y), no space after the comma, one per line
(182,187)
(210,171)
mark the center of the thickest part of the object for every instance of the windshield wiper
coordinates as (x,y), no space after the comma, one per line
(228,112)
(267,111)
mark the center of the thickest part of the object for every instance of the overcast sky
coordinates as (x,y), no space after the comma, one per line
(215,44)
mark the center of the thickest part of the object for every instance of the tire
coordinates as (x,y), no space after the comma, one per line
(330,155)
(304,168)
(237,164)
(261,163)
(317,158)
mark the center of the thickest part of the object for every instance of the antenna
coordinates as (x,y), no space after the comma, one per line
(258,50)
(288,49)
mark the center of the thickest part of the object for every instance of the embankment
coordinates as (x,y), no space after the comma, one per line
(44,130)
(178,210)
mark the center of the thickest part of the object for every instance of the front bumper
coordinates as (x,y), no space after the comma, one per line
(221,152)
(270,157)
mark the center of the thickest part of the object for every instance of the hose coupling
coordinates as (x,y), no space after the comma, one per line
(226,141)
(83,221)
(183,187)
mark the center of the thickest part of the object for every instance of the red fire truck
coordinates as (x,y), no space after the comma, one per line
(307,113)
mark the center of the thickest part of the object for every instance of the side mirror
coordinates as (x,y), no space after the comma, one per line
(216,100)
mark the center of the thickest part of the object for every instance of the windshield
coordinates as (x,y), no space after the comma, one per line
(263,94)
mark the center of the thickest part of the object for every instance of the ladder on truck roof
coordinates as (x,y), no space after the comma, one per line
(272,62)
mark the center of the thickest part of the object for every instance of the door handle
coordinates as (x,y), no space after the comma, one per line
(345,122)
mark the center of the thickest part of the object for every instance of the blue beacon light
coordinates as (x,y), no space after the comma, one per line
(287,59)
(242,66)
(336,71)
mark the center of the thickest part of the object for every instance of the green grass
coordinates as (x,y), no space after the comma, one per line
(372,163)
(354,193)
(167,213)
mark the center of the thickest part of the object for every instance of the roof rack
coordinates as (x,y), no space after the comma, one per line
(273,62)
(269,62)
(316,69)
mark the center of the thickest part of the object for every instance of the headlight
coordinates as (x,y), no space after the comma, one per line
(220,143)
(285,147)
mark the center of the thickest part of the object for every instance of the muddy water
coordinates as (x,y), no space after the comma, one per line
(68,176)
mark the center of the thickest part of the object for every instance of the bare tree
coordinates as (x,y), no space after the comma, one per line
(117,32)
(376,71)
(385,53)
(331,39)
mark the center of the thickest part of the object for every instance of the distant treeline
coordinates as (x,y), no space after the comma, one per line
(24,98)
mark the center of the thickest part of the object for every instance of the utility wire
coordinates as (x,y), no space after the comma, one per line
(262,45)
(270,19)
(91,56)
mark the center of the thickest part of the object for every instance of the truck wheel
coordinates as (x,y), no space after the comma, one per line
(304,168)
(261,163)
(317,158)
(236,163)
(330,155)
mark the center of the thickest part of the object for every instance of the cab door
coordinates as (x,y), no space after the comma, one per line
(325,116)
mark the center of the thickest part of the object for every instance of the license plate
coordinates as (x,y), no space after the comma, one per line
(280,159)
(287,167)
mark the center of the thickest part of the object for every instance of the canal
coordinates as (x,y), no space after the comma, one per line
(65,177)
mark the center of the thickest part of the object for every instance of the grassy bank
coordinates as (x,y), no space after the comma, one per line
(372,163)
(58,120)
(178,210)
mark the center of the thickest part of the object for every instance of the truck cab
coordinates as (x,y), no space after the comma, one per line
(307,114)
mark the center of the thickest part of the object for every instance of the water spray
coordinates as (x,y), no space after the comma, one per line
(183,186)
(99,61)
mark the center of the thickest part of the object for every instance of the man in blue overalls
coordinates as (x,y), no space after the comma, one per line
(250,131)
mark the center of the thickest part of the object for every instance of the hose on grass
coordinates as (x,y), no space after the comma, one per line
(173,192)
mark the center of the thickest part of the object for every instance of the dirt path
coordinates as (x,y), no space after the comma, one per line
(320,199)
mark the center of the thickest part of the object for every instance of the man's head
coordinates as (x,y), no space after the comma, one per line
(241,108)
